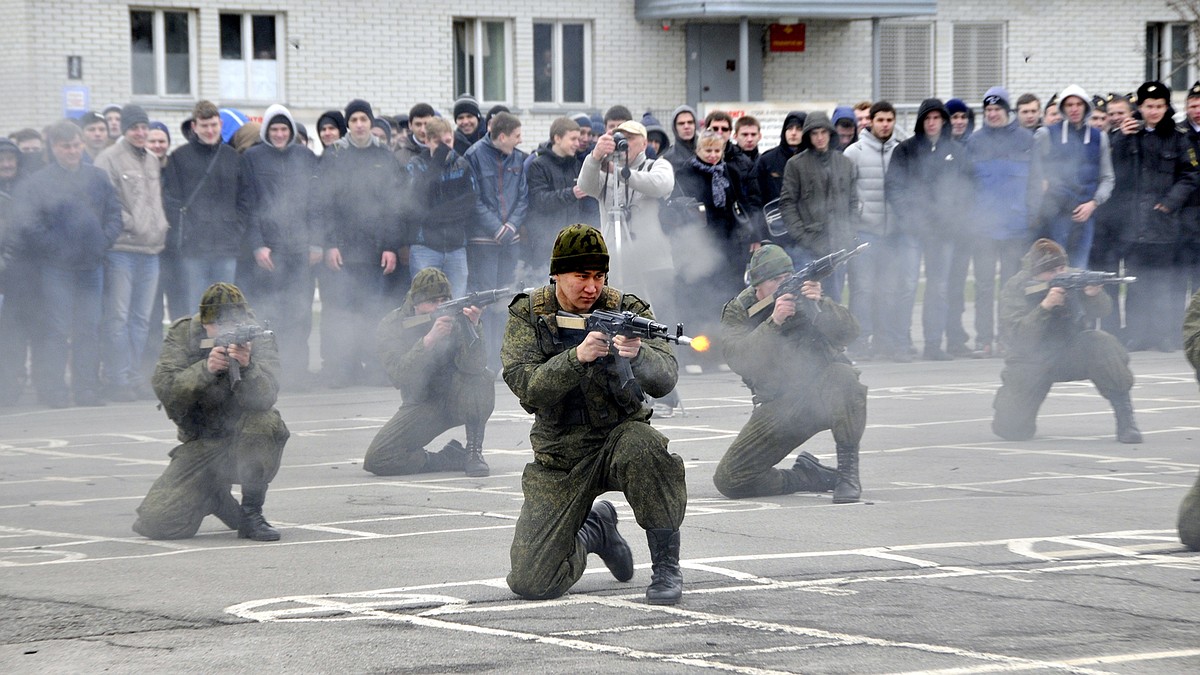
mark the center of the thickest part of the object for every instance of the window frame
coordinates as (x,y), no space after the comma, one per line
(247,29)
(1161,53)
(879,76)
(960,89)
(475,27)
(158,35)
(558,77)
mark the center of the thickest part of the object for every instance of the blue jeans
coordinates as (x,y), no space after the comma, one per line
(939,254)
(200,273)
(130,287)
(452,263)
(70,320)
(898,277)
(492,266)
(864,272)
(1076,238)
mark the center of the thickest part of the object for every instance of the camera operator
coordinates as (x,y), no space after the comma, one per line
(629,187)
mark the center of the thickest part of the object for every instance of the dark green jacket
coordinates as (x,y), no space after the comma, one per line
(424,374)
(1034,333)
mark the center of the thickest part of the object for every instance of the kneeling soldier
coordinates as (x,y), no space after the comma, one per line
(220,392)
(1189,510)
(439,365)
(590,433)
(1047,330)
(789,355)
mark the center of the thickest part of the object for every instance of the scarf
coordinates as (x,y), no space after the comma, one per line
(719,182)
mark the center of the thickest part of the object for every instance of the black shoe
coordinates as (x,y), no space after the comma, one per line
(814,476)
(452,457)
(936,354)
(666,582)
(475,467)
(1127,429)
(600,536)
(253,525)
(848,489)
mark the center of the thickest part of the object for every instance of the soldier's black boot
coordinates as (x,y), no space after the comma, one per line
(253,525)
(452,457)
(811,475)
(848,489)
(474,466)
(228,511)
(600,536)
(666,582)
(1127,429)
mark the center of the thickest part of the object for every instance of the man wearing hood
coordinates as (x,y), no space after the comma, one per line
(468,121)
(131,265)
(1077,171)
(683,126)
(768,170)
(285,240)
(1001,155)
(1048,332)
(204,196)
(656,136)
(870,155)
(846,126)
(355,200)
(1157,171)
(927,186)
(331,126)
(819,199)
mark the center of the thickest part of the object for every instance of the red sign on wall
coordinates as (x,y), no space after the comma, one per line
(787,37)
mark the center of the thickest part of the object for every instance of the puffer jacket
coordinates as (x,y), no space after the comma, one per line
(871,157)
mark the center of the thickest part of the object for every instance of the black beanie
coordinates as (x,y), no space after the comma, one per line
(133,114)
(359,105)
(466,104)
(336,118)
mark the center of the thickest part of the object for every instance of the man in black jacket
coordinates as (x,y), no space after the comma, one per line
(555,200)
(205,197)
(358,181)
(1156,172)
(442,194)
(285,241)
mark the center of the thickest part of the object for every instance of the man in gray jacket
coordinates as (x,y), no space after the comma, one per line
(131,265)
(870,155)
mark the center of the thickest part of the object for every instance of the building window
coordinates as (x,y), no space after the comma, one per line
(482,64)
(904,62)
(978,59)
(250,48)
(161,57)
(561,62)
(1168,55)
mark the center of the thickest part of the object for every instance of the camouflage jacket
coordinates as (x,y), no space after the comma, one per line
(541,368)
(1191,333)
(774,359)
(1032,332)
(204,405)
(424,374)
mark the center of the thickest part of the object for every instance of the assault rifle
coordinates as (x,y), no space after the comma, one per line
(1074,281)
(817,270)
(238,334)
(456,306)
(625,323)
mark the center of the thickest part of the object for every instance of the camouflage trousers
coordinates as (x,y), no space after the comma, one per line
(1090,355)
(547,556)
(1189,518)
(197,481)
(834,400)
(399,447)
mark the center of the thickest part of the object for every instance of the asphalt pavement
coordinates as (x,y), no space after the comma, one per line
(968,554)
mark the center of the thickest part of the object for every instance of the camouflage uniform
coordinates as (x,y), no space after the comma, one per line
(801,386)
(441,388)
(588,437)
(1045,347)
(1189,510)
(229,434)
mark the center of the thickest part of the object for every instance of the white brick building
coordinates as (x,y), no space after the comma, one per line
(314,55)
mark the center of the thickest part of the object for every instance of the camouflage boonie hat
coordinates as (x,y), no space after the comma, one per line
(222,302)
(579,248)
(429,284)
(768,262)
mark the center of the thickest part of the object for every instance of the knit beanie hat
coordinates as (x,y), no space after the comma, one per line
(334,117)
(221,303)
(133,114)
(578,248)
(1046,256)
(997,96)
(429,284)
(466,104)
(768,262)
(359,105)
(956,105)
